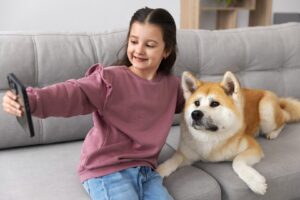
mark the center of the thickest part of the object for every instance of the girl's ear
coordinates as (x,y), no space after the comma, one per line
(166,53)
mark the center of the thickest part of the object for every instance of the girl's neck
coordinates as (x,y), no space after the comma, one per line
(145,74)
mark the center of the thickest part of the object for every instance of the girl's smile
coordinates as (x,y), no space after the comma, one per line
(139,59)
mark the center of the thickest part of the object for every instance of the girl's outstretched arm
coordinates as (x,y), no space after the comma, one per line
(70,98)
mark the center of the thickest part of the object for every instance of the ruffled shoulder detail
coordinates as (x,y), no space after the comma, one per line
(94,68)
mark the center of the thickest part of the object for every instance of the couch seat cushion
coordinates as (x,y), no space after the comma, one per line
(190,183)
(280,166)
(48,172)
(45,172)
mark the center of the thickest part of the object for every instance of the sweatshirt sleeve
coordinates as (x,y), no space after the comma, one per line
(73,97)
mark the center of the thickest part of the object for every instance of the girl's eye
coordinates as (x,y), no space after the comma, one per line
(197,103)
(133,42)
(150,45)
(214,104)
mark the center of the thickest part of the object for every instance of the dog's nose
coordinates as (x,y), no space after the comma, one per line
(197,115)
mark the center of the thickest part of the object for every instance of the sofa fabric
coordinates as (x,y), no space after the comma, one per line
(44,167)
(48,172)
(280,166)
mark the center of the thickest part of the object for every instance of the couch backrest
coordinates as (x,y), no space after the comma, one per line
(262,57)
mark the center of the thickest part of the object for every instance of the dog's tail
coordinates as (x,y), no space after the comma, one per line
(292,109)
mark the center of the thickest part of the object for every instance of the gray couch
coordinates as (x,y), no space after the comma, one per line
(44,167)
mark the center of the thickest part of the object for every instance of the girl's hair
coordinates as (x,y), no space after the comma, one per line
(165,21)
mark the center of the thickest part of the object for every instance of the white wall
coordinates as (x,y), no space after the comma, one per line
(92,15)
(288,6)
(75,15)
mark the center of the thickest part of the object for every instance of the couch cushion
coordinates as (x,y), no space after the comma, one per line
(42,172)
(280,166)
(262,57)
(50,130)
(190,183)
(48,172)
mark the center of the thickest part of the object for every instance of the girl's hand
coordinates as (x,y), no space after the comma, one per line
(11,104)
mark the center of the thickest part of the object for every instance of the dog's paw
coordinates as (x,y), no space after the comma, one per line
(258,185)
(274,134)
(163,170)
(170,165)
(255,181)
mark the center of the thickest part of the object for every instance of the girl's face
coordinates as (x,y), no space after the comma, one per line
(146,48)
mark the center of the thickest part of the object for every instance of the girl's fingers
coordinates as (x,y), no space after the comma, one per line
(10,94)
(9,100)
(11,105)
(12,110)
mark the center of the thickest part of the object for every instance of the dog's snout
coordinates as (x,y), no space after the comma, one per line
(197,115)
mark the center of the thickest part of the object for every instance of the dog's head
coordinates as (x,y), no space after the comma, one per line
(213,109)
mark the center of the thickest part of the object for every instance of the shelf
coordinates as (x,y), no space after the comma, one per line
(225,8)
(260,12)
(262,15)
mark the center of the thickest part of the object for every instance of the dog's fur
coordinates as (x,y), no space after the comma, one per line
(220,122)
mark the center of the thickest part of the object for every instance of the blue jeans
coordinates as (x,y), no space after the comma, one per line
(137,183)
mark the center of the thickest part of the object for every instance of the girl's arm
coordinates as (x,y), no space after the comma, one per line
(70,98)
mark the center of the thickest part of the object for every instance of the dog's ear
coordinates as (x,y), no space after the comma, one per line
(230,84)
(189,84)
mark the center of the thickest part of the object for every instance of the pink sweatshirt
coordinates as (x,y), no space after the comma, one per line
(132,116)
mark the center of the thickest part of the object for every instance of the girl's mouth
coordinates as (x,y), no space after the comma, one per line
(139,59)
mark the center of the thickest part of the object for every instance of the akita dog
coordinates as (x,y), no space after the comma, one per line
(220,121)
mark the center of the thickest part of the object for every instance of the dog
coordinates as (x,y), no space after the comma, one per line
(220,121)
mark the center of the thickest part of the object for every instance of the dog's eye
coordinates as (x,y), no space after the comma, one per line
(197,103)
(214,104)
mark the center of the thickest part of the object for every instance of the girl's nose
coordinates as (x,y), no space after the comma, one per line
(140,49)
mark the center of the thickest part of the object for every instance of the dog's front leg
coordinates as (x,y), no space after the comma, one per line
(170,165)
(242,165)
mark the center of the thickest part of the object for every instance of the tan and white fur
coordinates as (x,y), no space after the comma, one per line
(220,121)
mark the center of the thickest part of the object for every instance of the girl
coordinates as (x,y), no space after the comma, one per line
(133,105)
